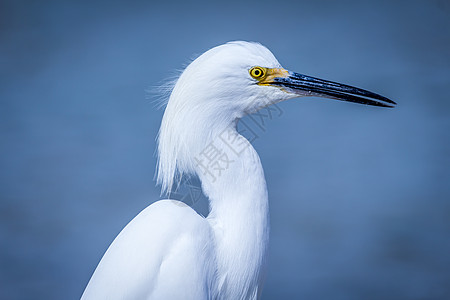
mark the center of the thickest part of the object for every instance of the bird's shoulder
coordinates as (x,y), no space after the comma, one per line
(164,244)
(160,225)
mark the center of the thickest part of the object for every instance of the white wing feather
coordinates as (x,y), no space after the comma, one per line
(165,252)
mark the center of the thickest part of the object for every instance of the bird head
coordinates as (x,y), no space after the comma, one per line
(242,77)
(224,84)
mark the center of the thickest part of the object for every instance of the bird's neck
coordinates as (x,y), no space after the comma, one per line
(233,179)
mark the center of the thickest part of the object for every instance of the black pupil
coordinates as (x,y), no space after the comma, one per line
(257,72)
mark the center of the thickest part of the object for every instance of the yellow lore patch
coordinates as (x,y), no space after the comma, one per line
(265,76)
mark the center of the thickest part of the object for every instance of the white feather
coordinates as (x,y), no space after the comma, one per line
(169,251)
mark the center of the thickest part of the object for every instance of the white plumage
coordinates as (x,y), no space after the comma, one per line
(144,260)
(169,251)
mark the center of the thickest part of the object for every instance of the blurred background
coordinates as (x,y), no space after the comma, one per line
(359,195)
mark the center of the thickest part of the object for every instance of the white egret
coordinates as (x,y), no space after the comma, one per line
(169,251)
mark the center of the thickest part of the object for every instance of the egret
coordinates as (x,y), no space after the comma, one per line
(169,251)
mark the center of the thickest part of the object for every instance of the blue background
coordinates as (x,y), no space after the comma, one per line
(359,195)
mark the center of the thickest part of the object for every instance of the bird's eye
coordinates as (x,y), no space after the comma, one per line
(257,72)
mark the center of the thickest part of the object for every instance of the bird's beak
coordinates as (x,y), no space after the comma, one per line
(305,85)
